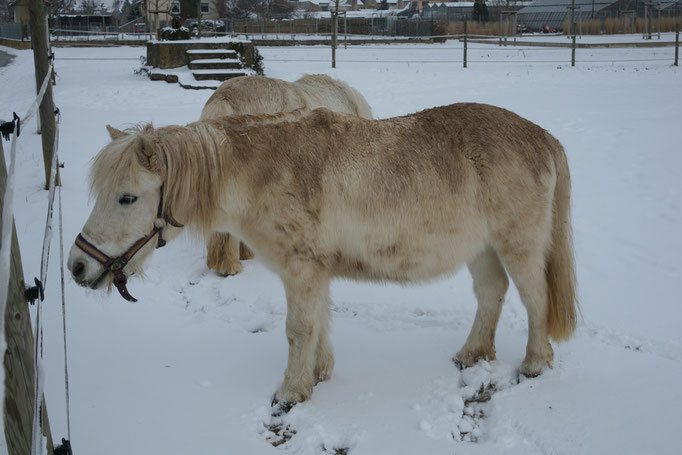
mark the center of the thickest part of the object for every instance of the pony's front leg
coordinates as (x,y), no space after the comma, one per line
(307,321)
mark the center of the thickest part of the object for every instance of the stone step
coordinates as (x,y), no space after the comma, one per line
(217,75)
(215,63)
(202,54)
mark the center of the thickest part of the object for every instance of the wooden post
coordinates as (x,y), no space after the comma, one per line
(335,32)
(41,63)
(465,44)
(677,44)
(573,45)
(18,359)
(199,19)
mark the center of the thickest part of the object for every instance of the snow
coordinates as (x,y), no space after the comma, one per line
(217,60)
(192,367)
(209,51)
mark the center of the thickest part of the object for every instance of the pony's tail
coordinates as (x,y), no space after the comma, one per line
(362,108)
(215,109)
(560,264)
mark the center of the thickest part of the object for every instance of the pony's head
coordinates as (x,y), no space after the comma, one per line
(127,179)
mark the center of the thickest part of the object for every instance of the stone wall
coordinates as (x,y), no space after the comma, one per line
(173,54)
(15,44)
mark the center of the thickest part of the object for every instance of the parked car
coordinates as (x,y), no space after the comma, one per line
(139,28)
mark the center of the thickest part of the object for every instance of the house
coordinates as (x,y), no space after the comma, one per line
(82,22)
(159,12)
(21,13)
(450,11)
(330,5)
(553,13)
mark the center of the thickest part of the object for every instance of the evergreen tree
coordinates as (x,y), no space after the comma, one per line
(480,13)
(133,11)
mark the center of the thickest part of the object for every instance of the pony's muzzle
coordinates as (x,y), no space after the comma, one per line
(78,269)
(85,271)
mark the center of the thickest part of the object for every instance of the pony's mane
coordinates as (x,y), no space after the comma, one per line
(189,161)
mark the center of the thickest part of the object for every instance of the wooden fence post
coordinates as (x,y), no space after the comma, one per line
(48,125)
(465,44)
(18,359)
(677,44)
(573,44)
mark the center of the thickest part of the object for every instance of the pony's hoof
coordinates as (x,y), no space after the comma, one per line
(460,366)
(230,270)
(279,408)
(533,369)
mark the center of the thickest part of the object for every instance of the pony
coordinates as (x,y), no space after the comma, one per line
(265,95)
(324,195)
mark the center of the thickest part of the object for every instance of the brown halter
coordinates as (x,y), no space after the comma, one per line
(116,265)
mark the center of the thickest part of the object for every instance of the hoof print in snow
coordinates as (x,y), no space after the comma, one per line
(279,408)
(473,413)
(279,435)
(483,395)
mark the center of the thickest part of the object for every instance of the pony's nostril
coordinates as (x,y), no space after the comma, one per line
(78,269)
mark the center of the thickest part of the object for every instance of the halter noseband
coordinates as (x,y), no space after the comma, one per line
(115,265)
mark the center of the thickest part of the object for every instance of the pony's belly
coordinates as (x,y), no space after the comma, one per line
(418,259)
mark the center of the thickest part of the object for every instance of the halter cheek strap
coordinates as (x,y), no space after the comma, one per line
(115,265)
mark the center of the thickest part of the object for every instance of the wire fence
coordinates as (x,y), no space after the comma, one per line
(436,19)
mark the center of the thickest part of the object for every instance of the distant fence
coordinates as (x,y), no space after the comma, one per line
(11,30)
(384,26)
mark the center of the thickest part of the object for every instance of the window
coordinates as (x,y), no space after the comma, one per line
(204,7)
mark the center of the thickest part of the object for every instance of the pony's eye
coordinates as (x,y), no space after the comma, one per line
(127,199)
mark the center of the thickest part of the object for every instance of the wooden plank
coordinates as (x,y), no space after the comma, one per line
(48,125)
(18,359)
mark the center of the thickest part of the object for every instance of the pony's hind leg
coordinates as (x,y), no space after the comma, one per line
(526,266)
(223,254)
(490,286)
(307,303)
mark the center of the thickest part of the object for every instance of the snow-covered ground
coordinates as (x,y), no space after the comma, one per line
(192,366)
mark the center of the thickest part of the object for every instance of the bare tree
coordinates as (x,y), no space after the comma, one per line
(59,7)
(263,9)
(91,7)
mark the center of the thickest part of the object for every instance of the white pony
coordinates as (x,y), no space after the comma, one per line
(266,95)
(328,195)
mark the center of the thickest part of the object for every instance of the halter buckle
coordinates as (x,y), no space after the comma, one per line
(117,265)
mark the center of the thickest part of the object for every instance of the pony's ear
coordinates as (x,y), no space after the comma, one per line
(146,154)
(114,133)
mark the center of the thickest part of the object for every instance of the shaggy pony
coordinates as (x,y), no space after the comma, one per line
(266,95)
(328,195)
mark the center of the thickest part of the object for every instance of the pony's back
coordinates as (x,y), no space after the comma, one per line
(253,95)
(266,95)
(323,91)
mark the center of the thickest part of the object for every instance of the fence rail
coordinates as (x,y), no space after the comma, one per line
(11,30)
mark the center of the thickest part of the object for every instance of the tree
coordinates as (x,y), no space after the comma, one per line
(480,13)
(91,7)
(264,9)
(131,11)
(59,7)
(280,9)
